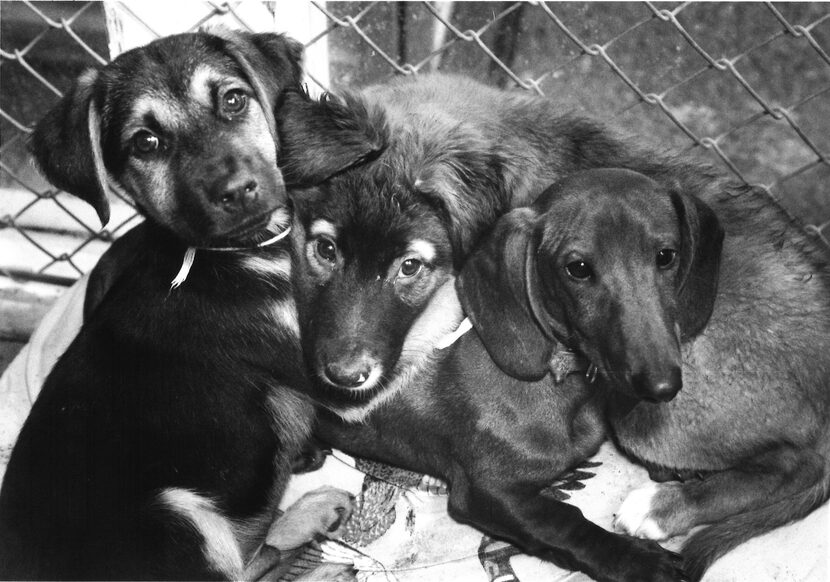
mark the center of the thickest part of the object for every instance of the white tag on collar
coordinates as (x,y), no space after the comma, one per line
(187,263)
(449,339)
(190,255)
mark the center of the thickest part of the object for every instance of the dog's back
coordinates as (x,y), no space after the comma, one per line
(151,420)
(534,141)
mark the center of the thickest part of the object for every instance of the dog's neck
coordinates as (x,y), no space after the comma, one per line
(190,255)
(565,361)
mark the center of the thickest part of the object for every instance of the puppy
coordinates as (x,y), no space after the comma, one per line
(162,439)
(640,280)
(373,244)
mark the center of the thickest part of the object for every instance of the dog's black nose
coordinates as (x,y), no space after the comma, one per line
(350,373)
(658,387)
(240,195)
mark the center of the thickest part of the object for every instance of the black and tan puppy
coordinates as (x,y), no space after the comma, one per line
(162,438)
(640,279)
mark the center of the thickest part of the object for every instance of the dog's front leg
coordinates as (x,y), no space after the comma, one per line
(557,531)
(783,485)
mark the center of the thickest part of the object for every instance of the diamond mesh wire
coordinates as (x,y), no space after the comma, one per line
(743,85)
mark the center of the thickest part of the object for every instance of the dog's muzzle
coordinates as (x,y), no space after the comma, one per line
(357,373)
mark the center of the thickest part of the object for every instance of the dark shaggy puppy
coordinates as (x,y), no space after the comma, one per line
(163,437)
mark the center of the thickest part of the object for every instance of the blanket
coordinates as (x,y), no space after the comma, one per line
(401,531)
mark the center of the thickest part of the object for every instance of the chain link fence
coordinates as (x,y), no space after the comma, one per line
(745,86)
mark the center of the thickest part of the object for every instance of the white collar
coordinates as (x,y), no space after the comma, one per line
(190,255)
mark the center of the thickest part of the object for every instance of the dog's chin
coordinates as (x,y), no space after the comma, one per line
(255,230)
(342,399)
(347,401)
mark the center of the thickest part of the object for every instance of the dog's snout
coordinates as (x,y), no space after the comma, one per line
(659,386)
(354,372)
(238,195)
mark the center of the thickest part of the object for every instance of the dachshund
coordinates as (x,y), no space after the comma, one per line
(162,439)
(708,320)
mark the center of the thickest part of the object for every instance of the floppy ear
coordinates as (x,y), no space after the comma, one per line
(271,62)
(497,288)
(701,243)
(283,54)
(66,145)
(464,178)
(321,138)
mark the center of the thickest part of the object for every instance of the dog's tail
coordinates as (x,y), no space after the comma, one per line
(709,544)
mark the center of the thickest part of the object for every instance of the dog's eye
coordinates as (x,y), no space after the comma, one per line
(579,270)
(327,250)
(410,267)
(145,142)
(234,101)
(666,258)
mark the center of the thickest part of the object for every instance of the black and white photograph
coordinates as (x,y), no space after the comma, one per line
(419,291)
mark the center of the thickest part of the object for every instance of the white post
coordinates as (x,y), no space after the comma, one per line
(439,31)
(302,21)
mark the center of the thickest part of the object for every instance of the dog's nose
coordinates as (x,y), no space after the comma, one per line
(349,373)
(658,387)
(239,195)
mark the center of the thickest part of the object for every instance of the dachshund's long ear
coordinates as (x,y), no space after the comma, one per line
(495,288)
(701,243)
(66,145)
(321,138)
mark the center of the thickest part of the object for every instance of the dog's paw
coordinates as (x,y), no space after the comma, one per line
(652,563)
(433,485)
(636,560)
(317,515)
(311,458)
(637,516)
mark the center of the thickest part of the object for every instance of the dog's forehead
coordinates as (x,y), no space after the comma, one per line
(169,106)
(171,62)
(639,218)
(382,217)
(166,77)
(589,214)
